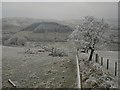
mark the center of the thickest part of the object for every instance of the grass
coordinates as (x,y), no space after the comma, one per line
(92,73)
(38,70)
(48,36)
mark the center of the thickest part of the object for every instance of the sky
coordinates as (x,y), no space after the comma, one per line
(60,10)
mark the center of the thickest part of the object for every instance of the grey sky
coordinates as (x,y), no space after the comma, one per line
(59,10)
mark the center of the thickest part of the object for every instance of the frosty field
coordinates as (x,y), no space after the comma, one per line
(37,70)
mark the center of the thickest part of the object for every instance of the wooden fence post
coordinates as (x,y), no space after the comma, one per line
(81,81)
(77,53)
(52,50)
(96,58)
(115,68)
(101,60)
(107,63)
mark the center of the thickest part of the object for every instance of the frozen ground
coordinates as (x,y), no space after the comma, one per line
(94,75)
(38,70)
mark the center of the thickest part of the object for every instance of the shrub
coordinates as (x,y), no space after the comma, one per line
(58,52)
(5,38)
(16,41)
(21,41)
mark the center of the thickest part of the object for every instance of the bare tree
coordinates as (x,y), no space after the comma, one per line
(90,33)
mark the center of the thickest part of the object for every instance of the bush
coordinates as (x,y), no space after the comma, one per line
(21,41)
(16,41)
(5,38)
(58,52)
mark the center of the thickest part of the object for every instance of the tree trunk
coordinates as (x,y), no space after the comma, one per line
(91,54)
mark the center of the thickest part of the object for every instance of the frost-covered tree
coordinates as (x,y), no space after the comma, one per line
(90,33)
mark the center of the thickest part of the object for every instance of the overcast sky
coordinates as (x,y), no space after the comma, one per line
(59,10)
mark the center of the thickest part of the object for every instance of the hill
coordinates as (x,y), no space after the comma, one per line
(42,31)
(13,25)
(47,29)
(43,27)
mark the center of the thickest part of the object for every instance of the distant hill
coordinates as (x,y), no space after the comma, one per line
(31,29)
(13,25)
(16,24)
(42,27)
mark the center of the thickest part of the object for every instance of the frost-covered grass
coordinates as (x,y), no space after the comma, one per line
(38,70)
(94,75)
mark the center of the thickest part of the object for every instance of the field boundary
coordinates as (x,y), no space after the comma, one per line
(78,73)
(100,60)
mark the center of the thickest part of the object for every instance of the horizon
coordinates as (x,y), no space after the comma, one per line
(53,19)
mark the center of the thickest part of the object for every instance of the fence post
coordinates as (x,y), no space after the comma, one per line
(107,63)
(52,50)
(77,53)
(96,58)
(81,80)
(101,60)
(115,68)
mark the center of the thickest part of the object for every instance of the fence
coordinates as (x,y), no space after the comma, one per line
(97,59)
(106,63)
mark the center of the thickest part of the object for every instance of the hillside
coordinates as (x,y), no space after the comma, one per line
(43,27)
(42,31)
(48,30)
(14,25)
